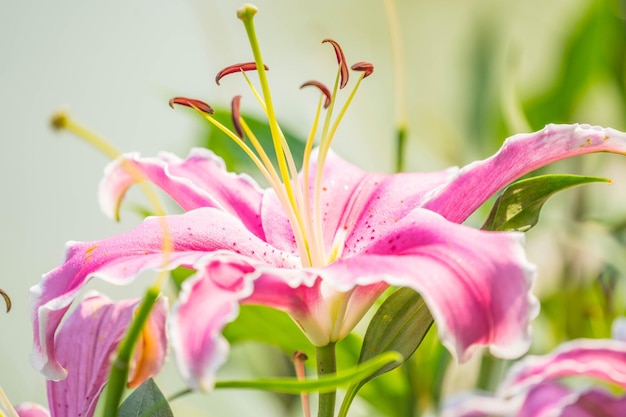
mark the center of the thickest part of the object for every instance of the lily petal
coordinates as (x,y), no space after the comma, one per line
(604,359)
(475,283)
(201,180)
(207,302)
(594,403)
(353,200)
(86,342)
(31,410)
(119,259)
(519,155)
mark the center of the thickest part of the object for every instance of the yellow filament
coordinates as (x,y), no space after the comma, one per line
(246,15)
(318,235)
(295,201)
(306,162)
(285,146)
(253,157)
(6,409)
(293,214)
(342,113)
(63,121)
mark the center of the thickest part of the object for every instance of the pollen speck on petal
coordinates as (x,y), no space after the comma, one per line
(341,60)
(322,88)
(366,67)
(193,103)
(245,66)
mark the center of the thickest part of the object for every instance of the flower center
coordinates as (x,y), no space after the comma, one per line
(301,201)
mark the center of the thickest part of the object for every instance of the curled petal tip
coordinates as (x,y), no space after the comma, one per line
(366,67)
(322,88)
(193,103)
(341,60)
(244,66)
(7,300)
(235,114)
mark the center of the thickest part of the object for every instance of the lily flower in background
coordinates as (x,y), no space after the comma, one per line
(85,344)
(321,245)
(536,386)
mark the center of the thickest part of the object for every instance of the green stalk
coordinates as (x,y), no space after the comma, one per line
(401,135)
(121,364)
(326,364)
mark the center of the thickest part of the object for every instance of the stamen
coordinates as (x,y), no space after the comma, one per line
(7,300)
(59,120)
(341,60)
(62,120)
(231,69)
(322,88)
(193,103)
(366,67)
(298,360)
(236,114)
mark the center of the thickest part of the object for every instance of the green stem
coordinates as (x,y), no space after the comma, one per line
(489,368)
(401,134)
(121,364)
(326,364)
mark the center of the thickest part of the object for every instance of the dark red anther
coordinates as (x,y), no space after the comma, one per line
(235,114)
(193,103)
(322,88)
(341,60)
(245,66)
(366,67)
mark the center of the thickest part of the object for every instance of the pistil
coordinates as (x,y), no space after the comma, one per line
(302,206)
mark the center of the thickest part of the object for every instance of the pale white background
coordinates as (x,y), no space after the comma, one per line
(115,64)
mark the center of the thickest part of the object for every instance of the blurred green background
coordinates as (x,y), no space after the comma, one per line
(477,71)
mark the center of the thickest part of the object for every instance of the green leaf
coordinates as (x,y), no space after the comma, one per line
(263,324)
(594,53)
(179,275)
(519,205)
(146,401)
(325,383)
(399,325)
(235,158)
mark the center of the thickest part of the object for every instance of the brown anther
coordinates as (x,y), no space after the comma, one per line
(341,60)
(193,103)
(59,120)
(245,66)
(322,88)
(298,359)
(366,67)
(299,356)
(235,114)
(7,300)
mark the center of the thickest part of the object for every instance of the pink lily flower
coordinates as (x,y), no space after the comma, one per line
(378,230)
(86,343)
(321,245)
(533,388)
